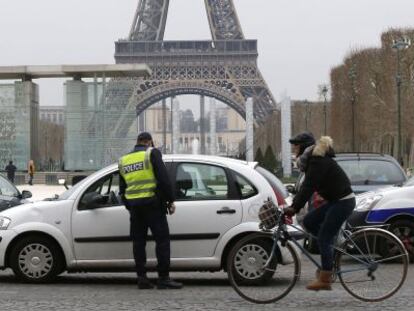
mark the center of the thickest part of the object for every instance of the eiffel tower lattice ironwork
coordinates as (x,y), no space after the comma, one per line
(224,68)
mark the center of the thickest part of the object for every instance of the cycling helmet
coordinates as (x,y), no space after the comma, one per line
(304,140)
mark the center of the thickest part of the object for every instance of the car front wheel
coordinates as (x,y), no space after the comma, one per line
(36,260)
(404,230)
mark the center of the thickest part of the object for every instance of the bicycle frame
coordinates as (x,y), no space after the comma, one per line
(283,235)
(355,249)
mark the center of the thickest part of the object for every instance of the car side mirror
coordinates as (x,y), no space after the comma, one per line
(26,194)
(92,200)
(291,189)
(62,182)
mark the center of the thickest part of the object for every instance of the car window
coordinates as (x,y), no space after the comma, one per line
(7,189)
(201,182)
(273,180)
(107,187)
(372,172)
(246,188)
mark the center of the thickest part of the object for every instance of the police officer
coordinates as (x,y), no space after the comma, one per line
(147,193)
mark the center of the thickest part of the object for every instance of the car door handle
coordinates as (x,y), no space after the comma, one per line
(226,210)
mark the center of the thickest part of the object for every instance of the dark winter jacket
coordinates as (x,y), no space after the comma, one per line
(11,170)
(323,175)
(164,192)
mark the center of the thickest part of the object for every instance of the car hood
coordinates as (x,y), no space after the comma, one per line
(359,189)
(41,211)
(7,202)
(383,191)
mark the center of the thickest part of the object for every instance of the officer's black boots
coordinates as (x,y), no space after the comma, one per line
(144,283)
(167,283)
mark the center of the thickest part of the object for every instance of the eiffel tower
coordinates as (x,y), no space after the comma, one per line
(224,68)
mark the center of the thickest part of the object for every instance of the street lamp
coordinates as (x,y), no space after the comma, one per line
(352,77)
(307,114)
(324,92)
(399,45)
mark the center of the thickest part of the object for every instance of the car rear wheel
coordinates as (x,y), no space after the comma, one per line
(36,260)
(248,256)
(404,230)
(255,281)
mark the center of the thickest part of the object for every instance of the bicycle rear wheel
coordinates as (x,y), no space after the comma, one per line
(372,264)
(248,275)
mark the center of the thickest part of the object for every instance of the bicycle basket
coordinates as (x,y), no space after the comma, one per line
(268,215)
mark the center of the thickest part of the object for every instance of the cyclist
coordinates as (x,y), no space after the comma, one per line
(325,176)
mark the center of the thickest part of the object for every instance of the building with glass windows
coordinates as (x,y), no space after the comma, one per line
(19,115)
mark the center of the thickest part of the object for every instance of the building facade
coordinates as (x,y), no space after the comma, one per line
(19,107)
(230,130)
(52,114)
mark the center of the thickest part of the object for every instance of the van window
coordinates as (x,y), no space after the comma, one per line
(372,172)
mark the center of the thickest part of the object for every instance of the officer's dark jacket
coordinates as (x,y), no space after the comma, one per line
(323,175)
(164,192)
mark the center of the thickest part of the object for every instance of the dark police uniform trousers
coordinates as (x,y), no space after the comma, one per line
(151,217)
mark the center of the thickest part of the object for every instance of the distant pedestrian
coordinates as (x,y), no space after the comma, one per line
(11,170)
(31,171)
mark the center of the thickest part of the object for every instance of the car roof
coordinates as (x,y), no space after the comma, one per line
(364,155)
(230,162)
(207,158)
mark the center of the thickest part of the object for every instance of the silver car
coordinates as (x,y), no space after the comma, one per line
(87,228)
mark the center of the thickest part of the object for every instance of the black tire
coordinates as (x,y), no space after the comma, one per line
(262,246)
(36,260)
(404,230)
(365,271)
(245,269)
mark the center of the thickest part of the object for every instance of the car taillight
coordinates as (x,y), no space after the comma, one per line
(281,202)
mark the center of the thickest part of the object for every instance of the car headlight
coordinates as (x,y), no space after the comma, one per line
(4,222)
(367,203)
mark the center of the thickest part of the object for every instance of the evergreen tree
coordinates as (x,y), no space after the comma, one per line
(259,157)
(269,161)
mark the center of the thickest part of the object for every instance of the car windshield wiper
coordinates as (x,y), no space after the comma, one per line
(55,198)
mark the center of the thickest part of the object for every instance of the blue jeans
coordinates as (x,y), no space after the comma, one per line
(325,223)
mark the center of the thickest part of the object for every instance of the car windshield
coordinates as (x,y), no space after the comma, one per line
(7,188)
(372,172)
(65,195)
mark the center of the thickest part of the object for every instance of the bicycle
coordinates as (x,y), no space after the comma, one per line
(370,262)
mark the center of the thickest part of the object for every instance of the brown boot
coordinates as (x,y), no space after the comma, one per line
(323,282)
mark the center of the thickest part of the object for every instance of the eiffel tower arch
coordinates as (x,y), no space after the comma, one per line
(224,68)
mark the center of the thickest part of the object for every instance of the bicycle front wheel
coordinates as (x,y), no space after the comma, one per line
(372,264)
(254,281)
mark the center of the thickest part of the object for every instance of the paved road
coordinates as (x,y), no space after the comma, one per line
(203,291)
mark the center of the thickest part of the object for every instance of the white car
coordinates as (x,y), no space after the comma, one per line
(87,228)
(390,206)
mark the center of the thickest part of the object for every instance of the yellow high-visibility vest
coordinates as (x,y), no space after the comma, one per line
(138,173)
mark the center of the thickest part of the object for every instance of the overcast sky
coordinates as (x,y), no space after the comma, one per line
(299,40)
